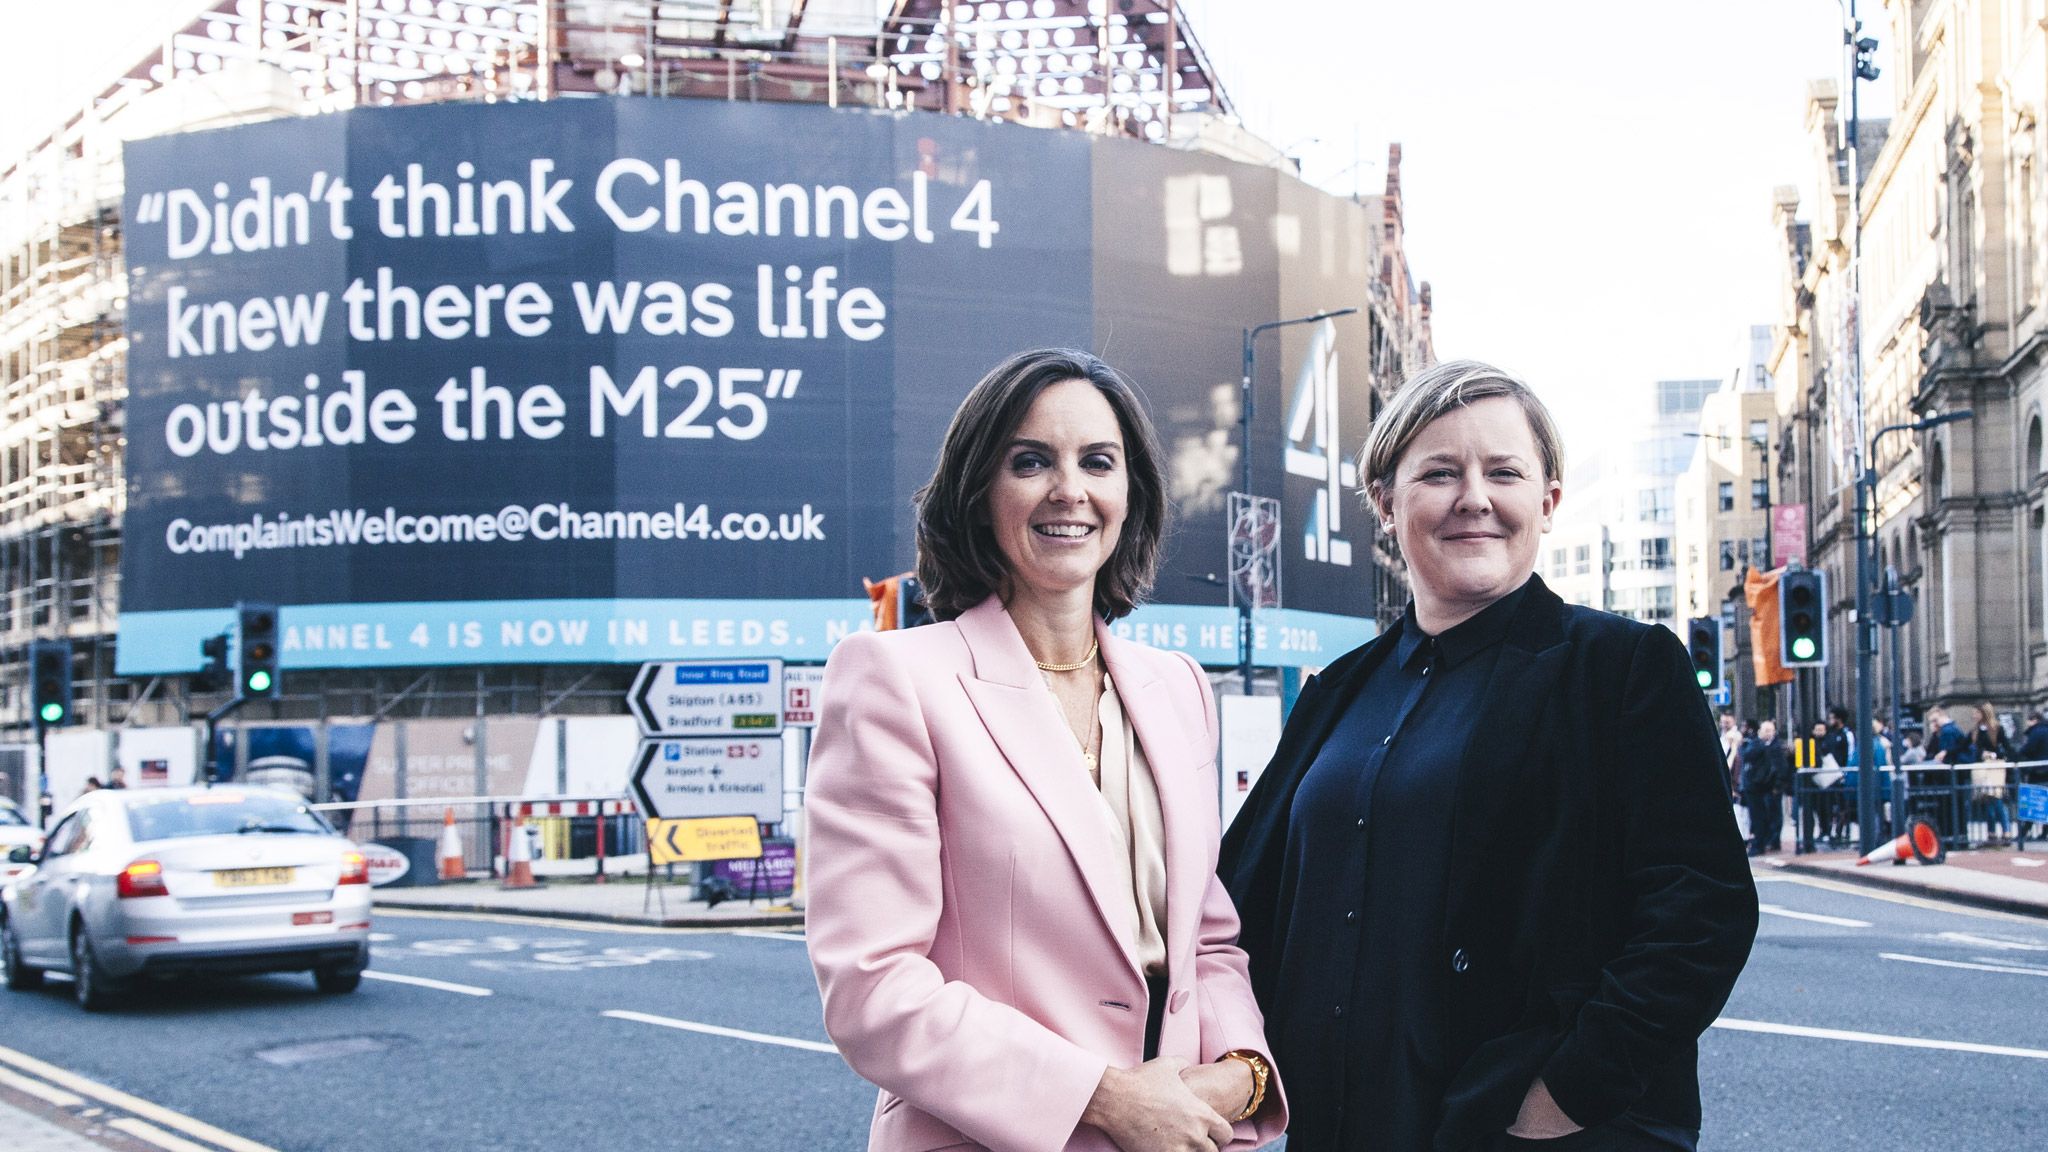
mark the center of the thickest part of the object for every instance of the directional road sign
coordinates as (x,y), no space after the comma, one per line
(715,838)
(800,684)
(683,779)
(708,698)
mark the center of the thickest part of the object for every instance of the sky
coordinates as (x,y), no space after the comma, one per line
(1588,182)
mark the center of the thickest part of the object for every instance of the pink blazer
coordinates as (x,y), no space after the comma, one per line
(959,870)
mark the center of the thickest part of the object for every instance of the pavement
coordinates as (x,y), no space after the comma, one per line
(28,1132)
(619,901)
(2000,879)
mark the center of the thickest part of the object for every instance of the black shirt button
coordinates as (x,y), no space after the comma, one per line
(1337,1011)
(1350,916)
(1361,821)
(1425,669)
(1460,961)
(1384,741)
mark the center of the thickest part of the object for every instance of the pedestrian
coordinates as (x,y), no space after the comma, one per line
(1732,736)
(1013,912)
(92,784)
(1766,772)
(1987,792)
(2034,744)
(1490,885)
(1948,744)
(117,778)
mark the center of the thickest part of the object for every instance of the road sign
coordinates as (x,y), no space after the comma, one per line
(682,779)
(385,863)
(711,838)
(800,684)
(2034,803)
(708,698)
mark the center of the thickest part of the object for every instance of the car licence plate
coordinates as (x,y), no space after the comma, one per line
(252,877)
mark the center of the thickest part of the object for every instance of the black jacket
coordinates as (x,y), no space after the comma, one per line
(1766,767)
(1599,904)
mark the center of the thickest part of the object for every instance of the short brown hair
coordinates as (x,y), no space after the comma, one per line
(958,560)
(1438,389)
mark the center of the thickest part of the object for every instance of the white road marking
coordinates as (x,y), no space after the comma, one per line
(143,1130)
(423,982)
(550,922)
(140,1107)
(767,934)
(715,1030)
(1876,1038)
(1961,964)
(1991,942)
(49,1093)
(381,937)
(1817,918)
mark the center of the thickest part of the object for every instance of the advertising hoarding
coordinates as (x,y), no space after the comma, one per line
(617,380)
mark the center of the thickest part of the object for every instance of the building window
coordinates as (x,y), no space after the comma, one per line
(1582,560)
(1727,555)
(1727,496)
(1759,493)
(1759,431)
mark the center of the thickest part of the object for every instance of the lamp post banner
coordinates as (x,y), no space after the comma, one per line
(614,380)
(1788,534)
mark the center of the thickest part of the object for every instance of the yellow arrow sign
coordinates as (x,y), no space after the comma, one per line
(710,838)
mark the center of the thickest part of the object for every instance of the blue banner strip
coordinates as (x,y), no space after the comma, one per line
(629,631)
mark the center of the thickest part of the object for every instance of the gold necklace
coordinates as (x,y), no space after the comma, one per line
(1077,665)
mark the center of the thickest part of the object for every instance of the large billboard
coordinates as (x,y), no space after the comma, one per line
(611,380)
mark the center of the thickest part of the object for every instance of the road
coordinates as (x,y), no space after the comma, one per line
(515,1035)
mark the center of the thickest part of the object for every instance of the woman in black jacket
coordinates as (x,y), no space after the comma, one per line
(1490,884)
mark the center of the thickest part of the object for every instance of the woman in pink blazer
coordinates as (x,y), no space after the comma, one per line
(1012,814)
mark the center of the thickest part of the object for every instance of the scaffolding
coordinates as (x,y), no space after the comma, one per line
(1116,67)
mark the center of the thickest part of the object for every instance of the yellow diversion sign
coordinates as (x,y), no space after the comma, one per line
(706,838)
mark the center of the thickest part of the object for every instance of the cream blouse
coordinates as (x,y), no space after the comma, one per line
(1133,798)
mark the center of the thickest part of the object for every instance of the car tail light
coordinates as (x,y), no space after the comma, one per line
(354,869)
(142,878)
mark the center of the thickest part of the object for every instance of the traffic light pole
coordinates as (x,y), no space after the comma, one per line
(213,720)
(1866,647)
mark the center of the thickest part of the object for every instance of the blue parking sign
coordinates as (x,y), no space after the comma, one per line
(2034,802)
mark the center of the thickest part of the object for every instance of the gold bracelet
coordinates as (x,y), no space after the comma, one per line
(1260,1072)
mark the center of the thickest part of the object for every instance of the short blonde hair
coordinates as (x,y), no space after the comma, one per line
(1438,389)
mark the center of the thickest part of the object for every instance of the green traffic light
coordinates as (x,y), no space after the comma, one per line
(259,681)
(53,712)
(1706,678)
(1802,648)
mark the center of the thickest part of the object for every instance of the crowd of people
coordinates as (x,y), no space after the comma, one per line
(1816,774)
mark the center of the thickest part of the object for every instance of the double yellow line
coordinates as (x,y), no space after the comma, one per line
(150,1123)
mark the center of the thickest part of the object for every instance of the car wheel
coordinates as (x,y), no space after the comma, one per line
(20,976)
(337,981)
(93,990)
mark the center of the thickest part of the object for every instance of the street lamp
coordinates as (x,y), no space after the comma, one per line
(1866,636)
(1244,469)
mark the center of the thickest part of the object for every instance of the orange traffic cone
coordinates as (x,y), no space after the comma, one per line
(519,859)
(451,849)
(1919,843)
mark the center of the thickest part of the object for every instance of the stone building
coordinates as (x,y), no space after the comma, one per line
(1725,499)
(1950,319)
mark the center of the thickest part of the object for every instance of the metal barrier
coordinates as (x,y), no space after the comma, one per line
(1971,805)
(571,828)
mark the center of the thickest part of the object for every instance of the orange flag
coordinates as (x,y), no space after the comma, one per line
(883,599)
(1761,590)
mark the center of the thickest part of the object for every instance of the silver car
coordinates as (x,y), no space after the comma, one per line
(136,883)
(16,831)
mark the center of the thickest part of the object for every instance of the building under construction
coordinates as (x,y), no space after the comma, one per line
(1132,69)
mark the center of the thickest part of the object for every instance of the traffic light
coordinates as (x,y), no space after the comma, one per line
(1704,642)
(214,676)
(50,682)
(1803,619)
(256,651)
